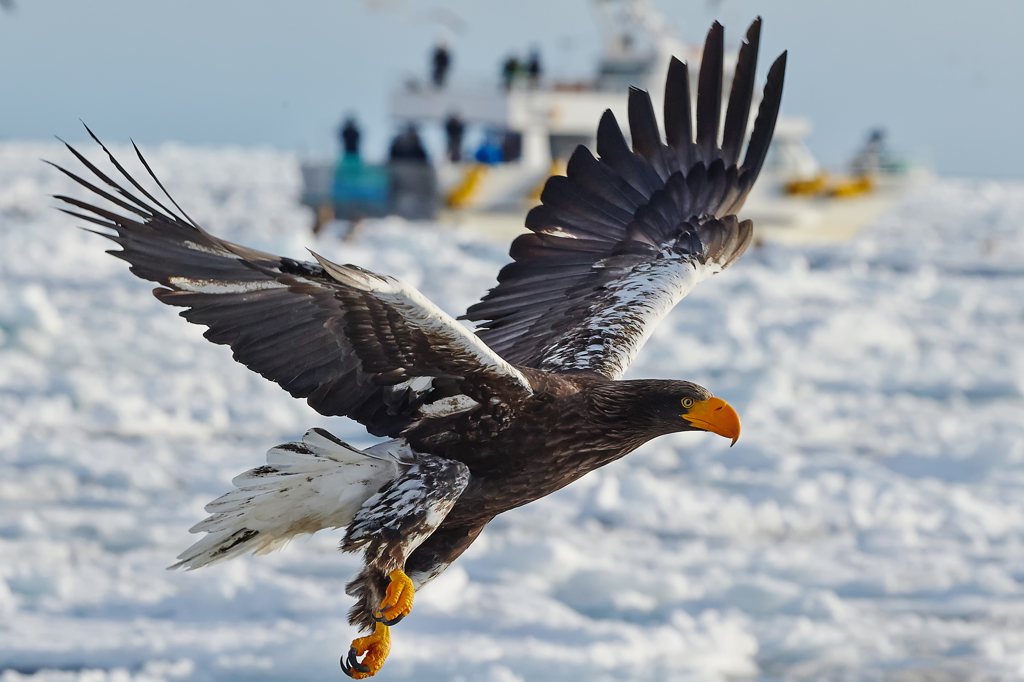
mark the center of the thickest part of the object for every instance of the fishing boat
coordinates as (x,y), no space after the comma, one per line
(527,126)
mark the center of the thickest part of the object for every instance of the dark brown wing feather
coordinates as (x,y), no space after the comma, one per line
(620,240)
(709,93)
(350,342)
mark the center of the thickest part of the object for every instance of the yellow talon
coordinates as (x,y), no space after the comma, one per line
(398,599)
(396,605)
(376,646)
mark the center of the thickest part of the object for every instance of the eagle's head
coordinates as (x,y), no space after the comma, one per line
(657,407)
(708,413)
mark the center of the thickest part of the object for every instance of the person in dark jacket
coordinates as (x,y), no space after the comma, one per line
(442,63)
(509,70)
(454,127)
(533,69)
(407,146)
(348,135)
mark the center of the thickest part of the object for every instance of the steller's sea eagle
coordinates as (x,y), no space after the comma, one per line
(478,423)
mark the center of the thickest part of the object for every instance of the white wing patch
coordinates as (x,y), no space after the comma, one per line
(625,317)
(448,406)
(205,249)
(416,384)
(212,286)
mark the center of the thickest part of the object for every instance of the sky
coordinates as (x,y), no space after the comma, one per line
(944,78)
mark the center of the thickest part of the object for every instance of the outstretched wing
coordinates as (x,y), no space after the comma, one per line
(618,242)
(350,342)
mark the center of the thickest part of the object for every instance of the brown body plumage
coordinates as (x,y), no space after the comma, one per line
(572,425)
(518,451)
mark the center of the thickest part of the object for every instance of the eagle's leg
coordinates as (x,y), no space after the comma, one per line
(397,601)
(388,528)
(376,646)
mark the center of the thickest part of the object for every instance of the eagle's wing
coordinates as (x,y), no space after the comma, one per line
(351,342)
(618,242)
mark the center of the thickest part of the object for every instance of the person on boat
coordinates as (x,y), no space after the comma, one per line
(872,158)
(511,146)
(442,62)
(407,146)
(490,151)
(509,70)
(349,136)
(454,128)
(533,70)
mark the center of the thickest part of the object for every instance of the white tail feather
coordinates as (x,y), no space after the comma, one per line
(305,487)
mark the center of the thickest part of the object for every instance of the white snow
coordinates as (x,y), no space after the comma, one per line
(869,524)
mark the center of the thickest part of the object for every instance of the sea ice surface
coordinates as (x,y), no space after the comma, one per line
(869,524)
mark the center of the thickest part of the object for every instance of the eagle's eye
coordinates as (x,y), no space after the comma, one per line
(687,402)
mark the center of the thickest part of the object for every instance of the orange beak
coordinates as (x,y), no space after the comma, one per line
(717,416)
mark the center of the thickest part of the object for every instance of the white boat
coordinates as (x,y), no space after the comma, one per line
(543,120)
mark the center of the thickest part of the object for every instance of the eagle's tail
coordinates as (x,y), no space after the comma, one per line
(305,487)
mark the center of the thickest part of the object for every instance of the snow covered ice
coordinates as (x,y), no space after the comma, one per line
(868,525)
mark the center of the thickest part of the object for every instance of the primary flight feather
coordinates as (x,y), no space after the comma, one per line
(477,422)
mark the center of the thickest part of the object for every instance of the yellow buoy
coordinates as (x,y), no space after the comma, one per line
(815,185)
(462,194)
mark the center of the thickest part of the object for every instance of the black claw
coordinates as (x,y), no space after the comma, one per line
(379,617)
(353,660)
(353,664)
(345,668)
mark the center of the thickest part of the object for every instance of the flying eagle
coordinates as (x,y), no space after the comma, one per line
(478,422)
